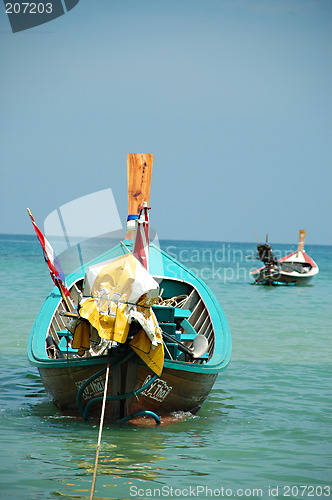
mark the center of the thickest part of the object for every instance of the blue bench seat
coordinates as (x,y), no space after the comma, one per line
(63,346)
(64,333)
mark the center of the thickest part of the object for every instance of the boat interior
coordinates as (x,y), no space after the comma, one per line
(298,267)
(181,313)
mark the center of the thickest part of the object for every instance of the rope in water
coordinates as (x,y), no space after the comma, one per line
(100,427)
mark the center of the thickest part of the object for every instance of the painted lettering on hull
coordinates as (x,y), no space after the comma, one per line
(95,388)
(158,390)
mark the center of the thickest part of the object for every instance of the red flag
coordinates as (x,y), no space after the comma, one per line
(141,243)
(51,259)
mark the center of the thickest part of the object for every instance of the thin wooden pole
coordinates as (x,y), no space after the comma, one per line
(100,429)
(64,298)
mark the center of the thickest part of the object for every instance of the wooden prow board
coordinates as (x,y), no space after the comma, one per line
(139,170)
(300,246)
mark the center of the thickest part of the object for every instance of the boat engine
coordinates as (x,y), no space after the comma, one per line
(265,254)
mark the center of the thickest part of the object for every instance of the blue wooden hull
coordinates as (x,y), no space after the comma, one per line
(183,385)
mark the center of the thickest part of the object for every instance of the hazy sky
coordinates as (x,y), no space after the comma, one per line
(233,98)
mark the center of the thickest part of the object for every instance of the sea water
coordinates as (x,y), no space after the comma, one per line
(264,431)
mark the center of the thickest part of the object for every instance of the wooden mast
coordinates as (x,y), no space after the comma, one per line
(300,246)
(139,170)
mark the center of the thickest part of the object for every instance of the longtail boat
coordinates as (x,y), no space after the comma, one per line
(294,268)
(135,310)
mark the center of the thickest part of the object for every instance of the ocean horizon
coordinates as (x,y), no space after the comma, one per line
(264,431)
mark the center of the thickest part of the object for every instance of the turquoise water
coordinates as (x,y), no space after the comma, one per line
(264,432)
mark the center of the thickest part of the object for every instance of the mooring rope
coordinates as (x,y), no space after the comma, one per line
(100,426)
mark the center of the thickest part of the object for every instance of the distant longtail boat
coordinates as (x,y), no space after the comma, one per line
(297,268)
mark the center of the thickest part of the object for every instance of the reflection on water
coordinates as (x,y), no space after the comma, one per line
(128,453)
(128,456)
(122,454)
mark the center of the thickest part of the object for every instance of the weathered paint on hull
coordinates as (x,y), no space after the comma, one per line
(176,390)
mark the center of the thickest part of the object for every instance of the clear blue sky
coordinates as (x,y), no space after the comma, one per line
(233,97)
